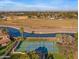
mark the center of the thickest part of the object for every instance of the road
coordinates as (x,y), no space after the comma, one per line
(13,47)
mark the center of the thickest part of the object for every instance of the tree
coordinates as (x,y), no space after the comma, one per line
(4,31)
(76,38)
(59,36)
(35,56)
(22,31)
(20,56)
(67,46)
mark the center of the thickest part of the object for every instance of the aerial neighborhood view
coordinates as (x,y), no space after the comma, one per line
(38,29)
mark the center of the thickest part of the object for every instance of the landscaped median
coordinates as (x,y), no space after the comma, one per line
(4,50)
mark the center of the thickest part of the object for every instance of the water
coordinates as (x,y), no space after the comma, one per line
(15,33)
(31,46)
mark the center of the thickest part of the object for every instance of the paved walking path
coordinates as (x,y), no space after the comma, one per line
(47,30)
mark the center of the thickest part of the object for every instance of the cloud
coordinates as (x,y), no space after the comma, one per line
(11,5)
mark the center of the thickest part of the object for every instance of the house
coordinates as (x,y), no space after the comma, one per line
(4,39)
(20,17)
(3,17)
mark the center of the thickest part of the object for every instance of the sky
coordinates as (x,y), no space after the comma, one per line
(38,5)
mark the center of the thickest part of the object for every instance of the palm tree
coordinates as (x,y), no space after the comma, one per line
(4,31)
(59,37)
(22,31)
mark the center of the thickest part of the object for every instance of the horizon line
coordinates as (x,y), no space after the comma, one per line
(42,11)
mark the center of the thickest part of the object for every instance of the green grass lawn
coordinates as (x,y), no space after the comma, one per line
(55,55)
(58,56)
